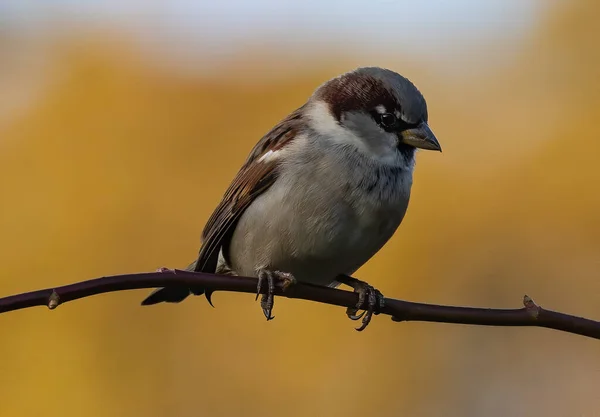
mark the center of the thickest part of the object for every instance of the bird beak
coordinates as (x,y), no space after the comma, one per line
(420,137)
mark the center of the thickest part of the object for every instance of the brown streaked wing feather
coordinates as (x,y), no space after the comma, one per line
(251,181)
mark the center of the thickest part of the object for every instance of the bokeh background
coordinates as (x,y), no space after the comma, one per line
(122,123)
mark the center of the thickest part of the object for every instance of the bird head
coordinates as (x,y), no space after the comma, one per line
(376,110)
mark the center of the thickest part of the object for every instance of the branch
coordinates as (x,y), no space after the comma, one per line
(530,315)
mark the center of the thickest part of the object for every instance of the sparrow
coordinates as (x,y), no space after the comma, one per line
(321,192)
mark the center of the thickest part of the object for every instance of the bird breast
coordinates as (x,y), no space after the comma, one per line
(326,214)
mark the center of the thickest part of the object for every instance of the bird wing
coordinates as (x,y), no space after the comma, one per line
(253,179)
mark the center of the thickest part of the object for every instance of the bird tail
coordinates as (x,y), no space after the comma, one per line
(167,295)
(172,294)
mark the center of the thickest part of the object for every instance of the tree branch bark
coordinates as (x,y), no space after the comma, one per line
(530,315)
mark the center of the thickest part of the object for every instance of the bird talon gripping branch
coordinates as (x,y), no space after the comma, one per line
(270,277)
(370,300)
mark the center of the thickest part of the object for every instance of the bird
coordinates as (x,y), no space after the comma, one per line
(321,192)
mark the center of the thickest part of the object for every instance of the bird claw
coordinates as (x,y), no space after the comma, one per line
(351,313)
(268,299)
(368,295)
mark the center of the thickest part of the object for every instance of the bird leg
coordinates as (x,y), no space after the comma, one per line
(366,292)
(270,278)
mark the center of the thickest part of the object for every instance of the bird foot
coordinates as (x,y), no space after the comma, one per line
(270,278)
(366,294)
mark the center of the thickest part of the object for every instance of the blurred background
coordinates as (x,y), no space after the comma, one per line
(122,123)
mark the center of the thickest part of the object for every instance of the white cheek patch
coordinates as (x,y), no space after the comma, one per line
(381,109)
(322,120)
(325,124)
(398,114)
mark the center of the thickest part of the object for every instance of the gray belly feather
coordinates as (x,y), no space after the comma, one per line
(321,223)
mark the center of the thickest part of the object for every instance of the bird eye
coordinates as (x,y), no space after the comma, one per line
(388,119)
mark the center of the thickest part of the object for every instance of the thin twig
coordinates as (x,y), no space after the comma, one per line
(530,315)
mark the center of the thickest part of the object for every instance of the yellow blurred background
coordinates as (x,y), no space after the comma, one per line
(113,153)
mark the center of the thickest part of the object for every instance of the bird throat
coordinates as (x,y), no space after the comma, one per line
(407,151)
